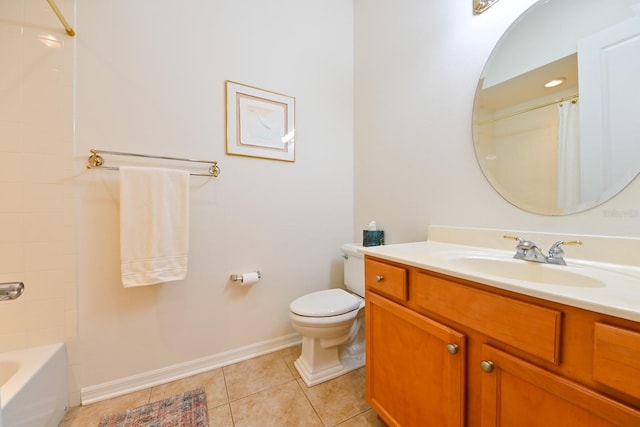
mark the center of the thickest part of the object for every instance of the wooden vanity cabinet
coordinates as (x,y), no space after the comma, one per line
(443,351)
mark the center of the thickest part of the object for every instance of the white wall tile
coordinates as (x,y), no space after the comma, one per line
(43,197)
(12,340)
(11,167)
(12,196)
(12,227)
(46,227)
(12,259)
(10,135)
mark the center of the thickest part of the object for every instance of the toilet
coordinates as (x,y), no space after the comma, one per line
(331,323)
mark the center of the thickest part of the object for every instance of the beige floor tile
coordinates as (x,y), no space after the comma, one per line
(290,355)
(264,391)
(220,416)
(338,399)
(253,375)
(82,416)
(366,419)
(283,405)
(212,381)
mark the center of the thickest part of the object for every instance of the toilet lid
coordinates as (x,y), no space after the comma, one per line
(330,302)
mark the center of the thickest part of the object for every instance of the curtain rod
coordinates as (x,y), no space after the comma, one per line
(60,16)
(95,160)
(573,99)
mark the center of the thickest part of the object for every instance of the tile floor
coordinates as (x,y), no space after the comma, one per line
(263,391)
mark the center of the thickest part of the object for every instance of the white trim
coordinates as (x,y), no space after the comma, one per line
(98,392)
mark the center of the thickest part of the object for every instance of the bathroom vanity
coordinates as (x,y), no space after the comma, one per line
(447,346)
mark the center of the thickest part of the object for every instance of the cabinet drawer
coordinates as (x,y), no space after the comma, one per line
(615,358)
(525,326)
(386,279)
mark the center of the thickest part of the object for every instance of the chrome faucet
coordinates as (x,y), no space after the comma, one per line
(9,291)
(529,251)
(556,253)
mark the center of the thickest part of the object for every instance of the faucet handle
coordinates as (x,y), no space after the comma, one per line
(523,247)
(522,243)
(556,252)
(557,246)
(511,237)
(520,240)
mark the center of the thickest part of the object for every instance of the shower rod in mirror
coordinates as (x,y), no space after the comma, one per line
(480,6)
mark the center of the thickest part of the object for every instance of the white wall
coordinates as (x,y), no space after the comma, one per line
(150,79)
(417,65)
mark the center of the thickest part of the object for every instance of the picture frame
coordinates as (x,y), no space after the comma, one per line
(260,123)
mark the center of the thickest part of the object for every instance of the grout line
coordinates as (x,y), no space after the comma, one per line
(306,396)
(226,390)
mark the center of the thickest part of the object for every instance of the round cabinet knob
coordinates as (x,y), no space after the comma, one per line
(379,278)
(452,348)
(487,366)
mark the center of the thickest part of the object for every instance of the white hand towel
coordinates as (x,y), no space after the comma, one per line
(154,225)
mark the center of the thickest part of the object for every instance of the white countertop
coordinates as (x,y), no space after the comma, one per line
(618,295)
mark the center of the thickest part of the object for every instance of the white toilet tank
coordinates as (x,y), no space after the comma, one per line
(353,268)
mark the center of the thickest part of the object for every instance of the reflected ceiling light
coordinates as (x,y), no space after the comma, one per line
(555,82)
(50,41)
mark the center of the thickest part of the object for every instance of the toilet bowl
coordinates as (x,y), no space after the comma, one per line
(331,323)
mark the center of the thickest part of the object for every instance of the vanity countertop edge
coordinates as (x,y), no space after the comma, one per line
(619,298)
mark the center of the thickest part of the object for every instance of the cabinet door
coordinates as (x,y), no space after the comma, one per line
(415,367)
(517,393)
(615,358)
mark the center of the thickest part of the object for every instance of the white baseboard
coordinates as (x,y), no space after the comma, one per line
(98,392)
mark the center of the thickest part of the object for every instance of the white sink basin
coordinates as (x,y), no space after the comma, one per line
(533,272)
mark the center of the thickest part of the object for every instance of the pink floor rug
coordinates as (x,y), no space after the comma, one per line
(184,410)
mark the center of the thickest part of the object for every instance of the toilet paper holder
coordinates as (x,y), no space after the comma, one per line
(238,277)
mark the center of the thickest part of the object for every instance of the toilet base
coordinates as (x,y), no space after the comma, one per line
(345,363)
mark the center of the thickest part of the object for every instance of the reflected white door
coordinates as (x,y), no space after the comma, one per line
(609,66)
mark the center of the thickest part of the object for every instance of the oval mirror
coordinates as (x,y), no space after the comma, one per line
(556,117)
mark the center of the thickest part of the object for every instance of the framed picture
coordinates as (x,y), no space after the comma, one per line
(260,123)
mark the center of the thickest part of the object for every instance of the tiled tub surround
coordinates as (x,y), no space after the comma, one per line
(36,176)
(611,260)
(263,391)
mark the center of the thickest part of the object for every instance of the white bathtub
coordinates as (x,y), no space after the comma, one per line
(33,386)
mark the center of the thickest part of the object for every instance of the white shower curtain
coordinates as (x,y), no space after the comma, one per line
(568,155)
